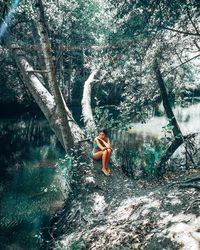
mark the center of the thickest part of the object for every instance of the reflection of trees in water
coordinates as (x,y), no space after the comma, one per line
(27,203)
(18,137)
(30,186)
(130,151)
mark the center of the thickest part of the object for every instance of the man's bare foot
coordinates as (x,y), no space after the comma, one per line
(105,172)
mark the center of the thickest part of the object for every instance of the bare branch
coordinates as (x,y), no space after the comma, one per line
(190,18)
(180,31)
(167,72)
(37,71)
(197,45)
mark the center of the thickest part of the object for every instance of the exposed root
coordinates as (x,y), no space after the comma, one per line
(193,204)
(186,183)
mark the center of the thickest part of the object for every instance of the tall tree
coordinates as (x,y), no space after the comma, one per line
(53,84)
(178,136)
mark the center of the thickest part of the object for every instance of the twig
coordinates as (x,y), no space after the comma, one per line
(37,71)
(165,73)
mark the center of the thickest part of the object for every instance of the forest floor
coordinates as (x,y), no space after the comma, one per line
(151,215)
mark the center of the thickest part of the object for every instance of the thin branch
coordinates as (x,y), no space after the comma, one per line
(193,24)
(197,45)
(180,31)
(37,71)
(178,56)
(167,72)
(126,44)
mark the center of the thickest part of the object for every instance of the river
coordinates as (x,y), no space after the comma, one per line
(31,187)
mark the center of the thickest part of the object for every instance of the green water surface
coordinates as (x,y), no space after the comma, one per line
(31,186)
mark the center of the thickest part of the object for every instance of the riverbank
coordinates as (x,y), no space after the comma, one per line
(163,216)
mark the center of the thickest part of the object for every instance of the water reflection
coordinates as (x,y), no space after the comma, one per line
(30,186)
(129,151)
(129,145)
(188,119)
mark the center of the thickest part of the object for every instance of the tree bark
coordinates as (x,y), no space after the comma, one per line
(53,84)
(46,102)
(175,144)
(169,112)
(178,136)
(86,104)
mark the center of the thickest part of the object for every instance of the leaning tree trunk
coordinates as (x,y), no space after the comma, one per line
(178,136)
(46,102)
(53,84)
(86,104)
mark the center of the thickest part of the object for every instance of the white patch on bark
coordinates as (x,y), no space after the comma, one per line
(86,103)
(175,201)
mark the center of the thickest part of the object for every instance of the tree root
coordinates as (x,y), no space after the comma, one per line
(192,204)
(197,187)
(197,178)
(186,183)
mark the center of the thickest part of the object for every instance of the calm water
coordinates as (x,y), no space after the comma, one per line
(31,187)
(130,145)
(188,119)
